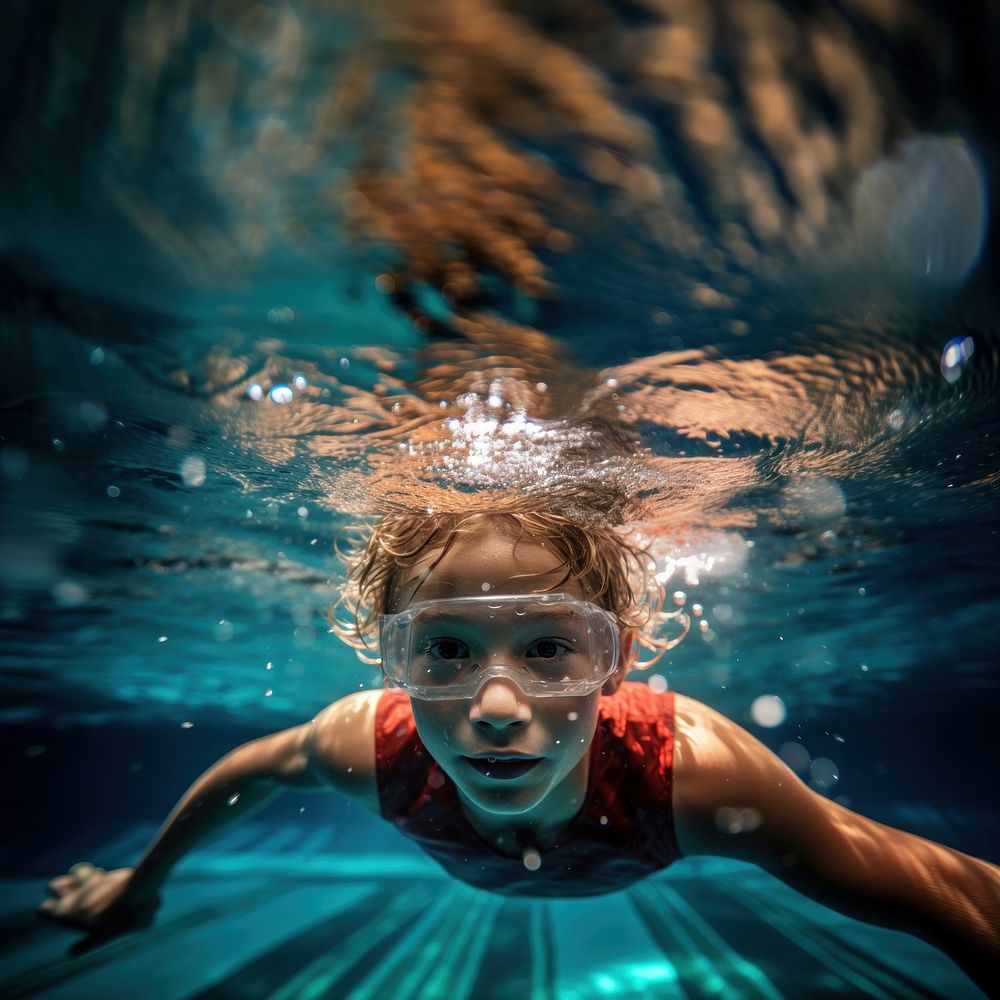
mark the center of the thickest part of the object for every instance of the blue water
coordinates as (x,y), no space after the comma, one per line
(229,299)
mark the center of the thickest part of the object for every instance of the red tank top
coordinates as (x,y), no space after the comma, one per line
(624,832)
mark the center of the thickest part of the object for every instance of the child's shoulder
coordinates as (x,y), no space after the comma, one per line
(341,746)
(705,736)
(718,762)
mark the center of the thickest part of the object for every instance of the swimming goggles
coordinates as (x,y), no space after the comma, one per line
(549,645)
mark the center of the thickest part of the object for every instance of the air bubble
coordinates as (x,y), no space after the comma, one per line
(193,471)
(532,859)
(93,416)
(223,631)
(280,314)
(768,710)
(824,772)
(795,755)
(68,594)
(729,820)
(955,354)
(680,598)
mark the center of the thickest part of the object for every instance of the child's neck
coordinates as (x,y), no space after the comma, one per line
(540,827)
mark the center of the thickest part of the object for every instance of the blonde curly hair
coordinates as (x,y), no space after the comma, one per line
(615,571)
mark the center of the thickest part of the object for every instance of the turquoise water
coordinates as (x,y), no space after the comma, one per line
(268,270)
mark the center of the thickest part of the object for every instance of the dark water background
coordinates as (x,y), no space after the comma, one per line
(197,206)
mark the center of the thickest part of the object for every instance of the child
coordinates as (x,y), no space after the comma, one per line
(511,748)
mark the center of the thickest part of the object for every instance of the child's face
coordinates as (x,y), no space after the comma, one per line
(554,732)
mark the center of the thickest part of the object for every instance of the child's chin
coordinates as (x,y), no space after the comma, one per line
(506,801)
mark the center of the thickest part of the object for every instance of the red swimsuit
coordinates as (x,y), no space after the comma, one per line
(624,831)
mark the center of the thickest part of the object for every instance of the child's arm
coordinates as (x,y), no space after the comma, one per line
(870,871)
(336,749)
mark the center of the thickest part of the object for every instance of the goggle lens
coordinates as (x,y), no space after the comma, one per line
(547,644)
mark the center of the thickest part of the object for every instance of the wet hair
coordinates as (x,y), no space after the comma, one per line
(615,571)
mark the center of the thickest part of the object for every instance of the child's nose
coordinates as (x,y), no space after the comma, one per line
(499,705)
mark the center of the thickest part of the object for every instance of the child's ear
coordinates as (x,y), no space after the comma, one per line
(628,653)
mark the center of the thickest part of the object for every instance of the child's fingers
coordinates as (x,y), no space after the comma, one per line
(50,909)
(60,911)
(62,884)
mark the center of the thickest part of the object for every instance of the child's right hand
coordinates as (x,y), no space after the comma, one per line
(98,902)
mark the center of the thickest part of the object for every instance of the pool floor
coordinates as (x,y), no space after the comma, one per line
(270,920)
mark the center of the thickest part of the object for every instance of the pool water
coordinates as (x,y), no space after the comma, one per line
(269,271)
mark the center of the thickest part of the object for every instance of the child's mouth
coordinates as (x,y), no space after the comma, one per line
(503,769)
